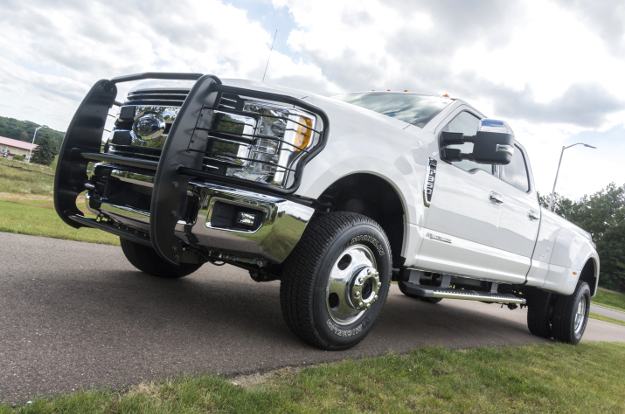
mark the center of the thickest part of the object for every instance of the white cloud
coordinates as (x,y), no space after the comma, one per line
(550,68)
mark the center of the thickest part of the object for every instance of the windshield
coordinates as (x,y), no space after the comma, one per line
(412,108)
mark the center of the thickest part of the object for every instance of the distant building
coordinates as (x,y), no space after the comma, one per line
(11,147)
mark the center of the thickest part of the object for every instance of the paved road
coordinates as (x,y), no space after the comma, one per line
(78,315)
(610,313)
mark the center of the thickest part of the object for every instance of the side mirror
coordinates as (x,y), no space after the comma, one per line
(492,144)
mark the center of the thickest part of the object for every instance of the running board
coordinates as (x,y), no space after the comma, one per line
(438,292)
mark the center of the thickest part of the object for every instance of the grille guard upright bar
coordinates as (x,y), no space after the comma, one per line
(170,186)
(84,134)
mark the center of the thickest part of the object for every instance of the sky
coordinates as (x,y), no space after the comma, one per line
(553,69)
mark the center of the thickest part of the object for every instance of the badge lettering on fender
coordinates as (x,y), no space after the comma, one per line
(344,333)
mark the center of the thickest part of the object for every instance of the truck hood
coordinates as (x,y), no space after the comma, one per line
(325,103)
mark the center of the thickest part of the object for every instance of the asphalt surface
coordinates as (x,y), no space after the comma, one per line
(610,313)
(78,315)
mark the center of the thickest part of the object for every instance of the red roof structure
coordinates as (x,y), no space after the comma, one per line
(10,142)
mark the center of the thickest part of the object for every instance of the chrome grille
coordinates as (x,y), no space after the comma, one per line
(162,97)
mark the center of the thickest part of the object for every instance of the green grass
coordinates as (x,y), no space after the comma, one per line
(38,218)
(21,178)
(609,299)
(606,319)
(529,379)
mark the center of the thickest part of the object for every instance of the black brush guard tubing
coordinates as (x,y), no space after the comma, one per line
(184,146)
(297,177)
(153,75)
(85,135)
(93,223)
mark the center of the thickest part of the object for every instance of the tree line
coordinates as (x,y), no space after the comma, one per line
(603,216)
(48,140)
(24,131)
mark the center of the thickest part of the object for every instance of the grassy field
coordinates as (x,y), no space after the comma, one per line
(26,205)
(605,319)
(528,379)
(37,217)
(21,178)
(610,299)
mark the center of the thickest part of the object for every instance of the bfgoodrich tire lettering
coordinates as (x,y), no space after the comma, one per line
(570,315)
(336,280)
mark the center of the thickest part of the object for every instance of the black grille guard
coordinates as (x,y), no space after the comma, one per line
(181,159)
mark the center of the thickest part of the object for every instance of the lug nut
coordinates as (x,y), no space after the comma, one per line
(361,304)
(376,297)
(368,305)
(357,294)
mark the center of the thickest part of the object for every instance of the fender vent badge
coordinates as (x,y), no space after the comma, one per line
(428,186)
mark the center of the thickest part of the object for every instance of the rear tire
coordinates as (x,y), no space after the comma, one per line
(540,313)
(570,315)
(148,261)
(336,280)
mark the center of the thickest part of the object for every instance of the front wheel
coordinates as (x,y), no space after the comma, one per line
(336,280)
(570,315)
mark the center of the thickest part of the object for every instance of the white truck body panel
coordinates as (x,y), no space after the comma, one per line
(483,239)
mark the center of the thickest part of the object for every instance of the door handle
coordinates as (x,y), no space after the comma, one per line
(533,215)
(496,197)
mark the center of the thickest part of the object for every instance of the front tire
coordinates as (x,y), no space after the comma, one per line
(336,280)
(570,315)
(148,261)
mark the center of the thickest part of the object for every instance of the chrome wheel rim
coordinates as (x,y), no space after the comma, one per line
(353,285)
(580,316)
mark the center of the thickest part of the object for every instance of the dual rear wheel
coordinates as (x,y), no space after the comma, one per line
(563,318)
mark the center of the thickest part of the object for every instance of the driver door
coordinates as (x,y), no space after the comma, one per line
(462,233)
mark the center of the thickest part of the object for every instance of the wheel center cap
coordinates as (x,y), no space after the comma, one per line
(365,286)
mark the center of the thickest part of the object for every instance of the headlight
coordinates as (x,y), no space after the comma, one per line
(263,142)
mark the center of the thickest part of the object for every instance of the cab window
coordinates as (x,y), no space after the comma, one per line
(466,123)
(515,173)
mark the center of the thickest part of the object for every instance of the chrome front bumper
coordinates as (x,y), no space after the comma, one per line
(282,223)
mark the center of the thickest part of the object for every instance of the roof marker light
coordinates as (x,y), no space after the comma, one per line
(405,90)
(446,95)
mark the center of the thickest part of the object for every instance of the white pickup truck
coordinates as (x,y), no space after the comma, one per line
(335,197)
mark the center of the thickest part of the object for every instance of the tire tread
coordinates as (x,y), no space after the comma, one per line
(300,270)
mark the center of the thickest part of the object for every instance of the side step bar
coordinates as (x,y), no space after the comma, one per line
(439,292)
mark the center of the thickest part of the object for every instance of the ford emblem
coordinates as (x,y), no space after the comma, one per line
(148,127)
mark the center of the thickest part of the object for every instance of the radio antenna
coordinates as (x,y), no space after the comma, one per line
(269,57)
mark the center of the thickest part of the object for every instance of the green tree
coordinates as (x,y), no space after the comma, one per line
(603,216)
(44,154)
(24,136)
